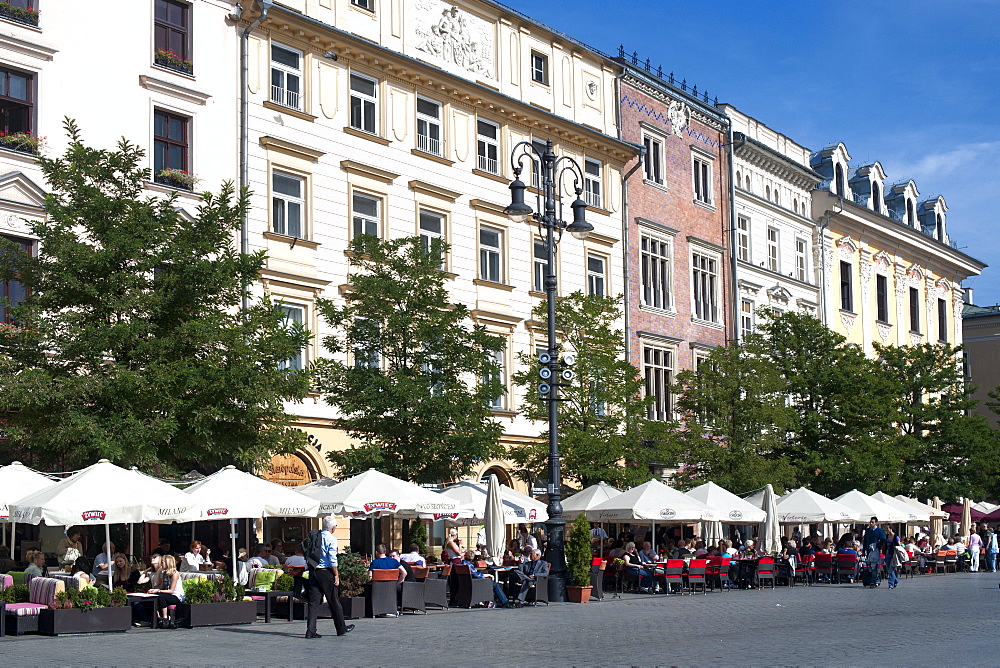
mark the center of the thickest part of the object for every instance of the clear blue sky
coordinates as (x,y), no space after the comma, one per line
(914,84)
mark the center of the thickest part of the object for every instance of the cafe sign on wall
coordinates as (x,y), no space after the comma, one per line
(288,470)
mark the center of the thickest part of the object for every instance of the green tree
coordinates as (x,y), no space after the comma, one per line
(603,430)
(132,344)
(404,390)
(841,428)
(735,415)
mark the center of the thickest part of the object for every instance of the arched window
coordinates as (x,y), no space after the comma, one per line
(876,198)
(940,228)
(767,192)
(748,182)
(909,212)
(795,205)
(839,185)
(739,179)
(777,197)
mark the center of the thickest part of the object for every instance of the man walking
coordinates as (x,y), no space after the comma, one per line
(872,538)
(324,580)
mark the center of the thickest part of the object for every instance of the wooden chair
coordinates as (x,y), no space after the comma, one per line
(951,561)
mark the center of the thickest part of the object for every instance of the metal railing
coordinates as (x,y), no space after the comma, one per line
(284,97)
(428,144)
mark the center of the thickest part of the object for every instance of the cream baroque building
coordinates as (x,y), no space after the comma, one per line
(889,269)
(397,119)
(775,235)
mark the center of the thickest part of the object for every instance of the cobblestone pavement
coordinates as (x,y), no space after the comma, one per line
(928,620)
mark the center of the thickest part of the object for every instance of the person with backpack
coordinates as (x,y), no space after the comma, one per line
(320,550)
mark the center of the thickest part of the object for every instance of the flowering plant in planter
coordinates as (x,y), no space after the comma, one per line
(89,598)
(169,58)
(25,142)
(177,178)
(21,15)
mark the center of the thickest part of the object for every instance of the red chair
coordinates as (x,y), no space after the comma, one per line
(672,575)
(823,568)
(765,571)
(847,567)
(718,572)
(696,575)
(803,569)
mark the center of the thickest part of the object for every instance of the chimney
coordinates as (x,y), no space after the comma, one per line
(967,295)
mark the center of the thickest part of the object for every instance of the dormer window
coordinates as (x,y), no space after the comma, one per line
(940,228)
(876,198)
(909,213)
(839,181)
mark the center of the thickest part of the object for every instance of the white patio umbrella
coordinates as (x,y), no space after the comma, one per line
(913,514)
(586,499)
(768,532)
(231,494)
(804,506)
(867,506)
(494,521)
(103,494)
(937,522)
(470,508)
(965,526)
(374,492)
(16,481)
(728,509)
(652,502)
(932,512)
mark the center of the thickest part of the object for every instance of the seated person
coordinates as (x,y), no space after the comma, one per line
(164,548)
(124,576)
(6,563)
(846,545)
(168,587)
(413,557)
(82,570)
(383,562)
(498,594)
(729,550)
(633,566)
(528,573)
(699,550)
(260,556)
(681,550)
(647,555)
(101,561)
(277,557)
(790,550)
(69,547)
(295,564)
(36,563)
(748,550)
(197,556)
(617,550)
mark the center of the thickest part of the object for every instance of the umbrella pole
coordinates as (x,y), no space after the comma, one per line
(107,545)
(232,555)
(131,536)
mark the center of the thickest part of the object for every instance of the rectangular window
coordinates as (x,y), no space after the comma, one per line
(364,103)
(364,4)
(539,68)
(658,371)
(487,146)
(539,262)
(171,37)
(592,183)
(540,146)
(702,181)
(746,318)
(882,298)
(705,286)
(657,278)
(846,287)
(17,93)
(170,149)
(653,165)
(366,216)
(490,254)
(287,204)
(294,317)
(365,354)
(428,126)
(915,310)
(595,275)
(13,291)
(801,260)
(743,238)
(286,77)
(498,402)
(773,249)
(942,307)
(432,234)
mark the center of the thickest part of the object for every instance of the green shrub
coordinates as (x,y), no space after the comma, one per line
(353,573)
(15,594)
(284,582)
(199,590)
(418,535)
(578,555)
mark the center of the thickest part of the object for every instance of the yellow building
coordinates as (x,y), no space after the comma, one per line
(890,273)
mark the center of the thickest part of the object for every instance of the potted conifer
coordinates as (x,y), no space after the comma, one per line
(578,561)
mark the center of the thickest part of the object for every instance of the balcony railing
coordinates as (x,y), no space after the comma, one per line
(593,199)
(489,165)
(428,144)
(285,97)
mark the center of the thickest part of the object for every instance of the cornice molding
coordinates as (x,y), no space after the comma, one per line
(173,90)
(778,165)
(662,96)
(291,148)
(433,191)
(26,48)
(369,171)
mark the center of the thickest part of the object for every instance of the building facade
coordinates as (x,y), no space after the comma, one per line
(981,338)
(676,269)
(889,270)
(774,234)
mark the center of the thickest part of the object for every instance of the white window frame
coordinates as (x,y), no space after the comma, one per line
(774,249)
(658,374)
(539,263)
(539,68)
(371,360)
(284,204)
(702,179)
(282,94)
(428,126)
(656,262)
(592,171)
(653,165)
(597,277)
(491,265)
(366,103)
(499,402)
(802,259)
(705,285)
(743,239)
(362,223)
(747,324)
(427,235)
(488,148)
(297,362)
(539,145)
(368,5)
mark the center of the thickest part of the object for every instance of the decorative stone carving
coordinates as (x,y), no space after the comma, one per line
(846,249)
(916,339)
(679,115)
(848,320)
(883,331)
(779,294)
(461,41)
(882,261)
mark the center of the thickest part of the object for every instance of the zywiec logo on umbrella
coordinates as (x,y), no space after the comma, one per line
(735,515)
(380,505)
(217,511)
(445,516)
(89,515)
(667,513)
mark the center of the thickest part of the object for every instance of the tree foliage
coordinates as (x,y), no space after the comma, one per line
(413,379)
(132,344)
(603,430)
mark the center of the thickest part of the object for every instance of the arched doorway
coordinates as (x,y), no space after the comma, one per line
(502,474)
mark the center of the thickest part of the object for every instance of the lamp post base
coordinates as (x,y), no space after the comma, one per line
(555,554)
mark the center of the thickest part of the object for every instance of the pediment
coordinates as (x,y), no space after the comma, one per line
(778,293)
(16,188)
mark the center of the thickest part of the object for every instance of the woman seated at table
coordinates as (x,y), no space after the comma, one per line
(748,550)
(790,550)
(699,550)
(633,566)
(168,587)
(124,576)
(36,563)
(82,570)
(197,556)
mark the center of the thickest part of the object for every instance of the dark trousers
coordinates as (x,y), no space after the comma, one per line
(320,584)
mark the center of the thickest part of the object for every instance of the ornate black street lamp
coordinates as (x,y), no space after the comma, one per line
(551,171)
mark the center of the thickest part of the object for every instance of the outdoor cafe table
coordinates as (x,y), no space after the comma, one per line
(150,600)
(269,599)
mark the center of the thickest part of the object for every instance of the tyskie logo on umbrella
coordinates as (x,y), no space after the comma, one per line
(380,505)
(217,511)
(89,515)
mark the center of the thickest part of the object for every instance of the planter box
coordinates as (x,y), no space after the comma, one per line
(216,614)
(99,620)
(576,594)
(354,607)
